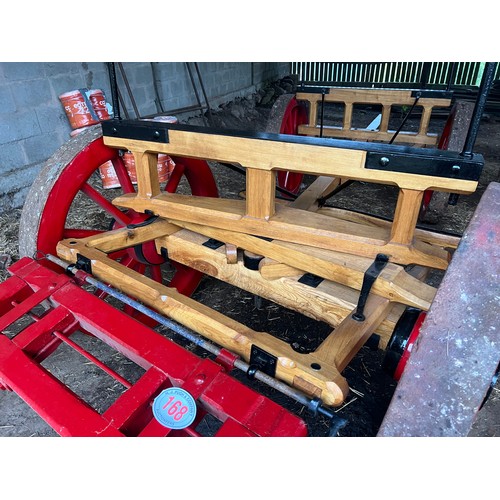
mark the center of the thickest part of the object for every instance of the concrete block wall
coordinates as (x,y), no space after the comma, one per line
(33,124)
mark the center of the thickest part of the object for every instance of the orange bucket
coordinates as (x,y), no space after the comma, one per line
(98,102)
(129,161)
(77,110)
(108,176)
(165,167)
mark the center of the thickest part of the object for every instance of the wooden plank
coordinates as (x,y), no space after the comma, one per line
(125,237)
(261,186)
(328,302)
(434,238)
(400,287)
(321,186)
(292,367)
(369,135)
(345,341)
(288,224)
(264,154)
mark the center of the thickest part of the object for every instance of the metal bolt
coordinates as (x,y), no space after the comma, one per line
(384,161)
(455,169)
(156,133)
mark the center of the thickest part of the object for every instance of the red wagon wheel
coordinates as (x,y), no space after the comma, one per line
(67,200)
(286,116)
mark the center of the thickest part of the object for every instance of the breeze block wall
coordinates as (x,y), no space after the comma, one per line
(33,124)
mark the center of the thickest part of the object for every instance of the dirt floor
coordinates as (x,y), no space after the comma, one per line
(372,389)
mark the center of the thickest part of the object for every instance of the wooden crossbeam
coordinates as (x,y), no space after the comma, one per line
(384,98)
(292,367)
(292,225)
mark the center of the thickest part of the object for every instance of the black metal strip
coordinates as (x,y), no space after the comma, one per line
(380,156)
(213,244)
(263,361)
(310,280)
(369,278)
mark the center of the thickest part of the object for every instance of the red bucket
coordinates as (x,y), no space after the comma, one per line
(77,110)
(165,167)
(108,175)
(98,102)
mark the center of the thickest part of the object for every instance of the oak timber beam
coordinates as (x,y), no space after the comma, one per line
(292,367)
(288,224)
(393,283)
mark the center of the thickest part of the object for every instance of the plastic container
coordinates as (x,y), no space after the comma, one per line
(108,176)
(77,110)
(98,101)
(165,167)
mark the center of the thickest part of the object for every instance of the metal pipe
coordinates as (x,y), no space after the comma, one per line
(312,404)
(114,90)
(209,111)
(159,105)
(196,93)
(482,97)
(129,91)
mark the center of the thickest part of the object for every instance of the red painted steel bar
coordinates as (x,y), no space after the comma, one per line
(241,411)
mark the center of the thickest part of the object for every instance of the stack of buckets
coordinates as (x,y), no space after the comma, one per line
(85,108)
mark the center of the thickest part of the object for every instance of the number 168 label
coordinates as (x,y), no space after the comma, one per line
(174,408)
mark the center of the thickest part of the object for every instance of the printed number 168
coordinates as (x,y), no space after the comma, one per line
(177,410)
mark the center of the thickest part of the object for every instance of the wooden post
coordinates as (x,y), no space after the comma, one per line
(261,185)
(405,216)
(146,164)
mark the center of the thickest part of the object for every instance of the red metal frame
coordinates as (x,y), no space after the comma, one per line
(242,411)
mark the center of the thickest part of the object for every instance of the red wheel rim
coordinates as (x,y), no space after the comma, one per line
(295,115)
(74,179)
(409,346)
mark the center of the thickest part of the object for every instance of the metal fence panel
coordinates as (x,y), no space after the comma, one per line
(436,74)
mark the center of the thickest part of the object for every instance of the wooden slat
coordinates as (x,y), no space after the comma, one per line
(293,157)
(289,224)
(292,368)
(393,283)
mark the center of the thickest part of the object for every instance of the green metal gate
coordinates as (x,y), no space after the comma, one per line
(391,74)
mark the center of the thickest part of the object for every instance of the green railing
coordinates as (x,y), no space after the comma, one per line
(394,74)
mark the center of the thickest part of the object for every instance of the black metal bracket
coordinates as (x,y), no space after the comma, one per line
(145,222)
(436,164)
(213,244)
(263,361)
(310,279)
(141,130)
(369,278)
(83,263)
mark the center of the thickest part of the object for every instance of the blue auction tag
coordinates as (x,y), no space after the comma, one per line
(174,408)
